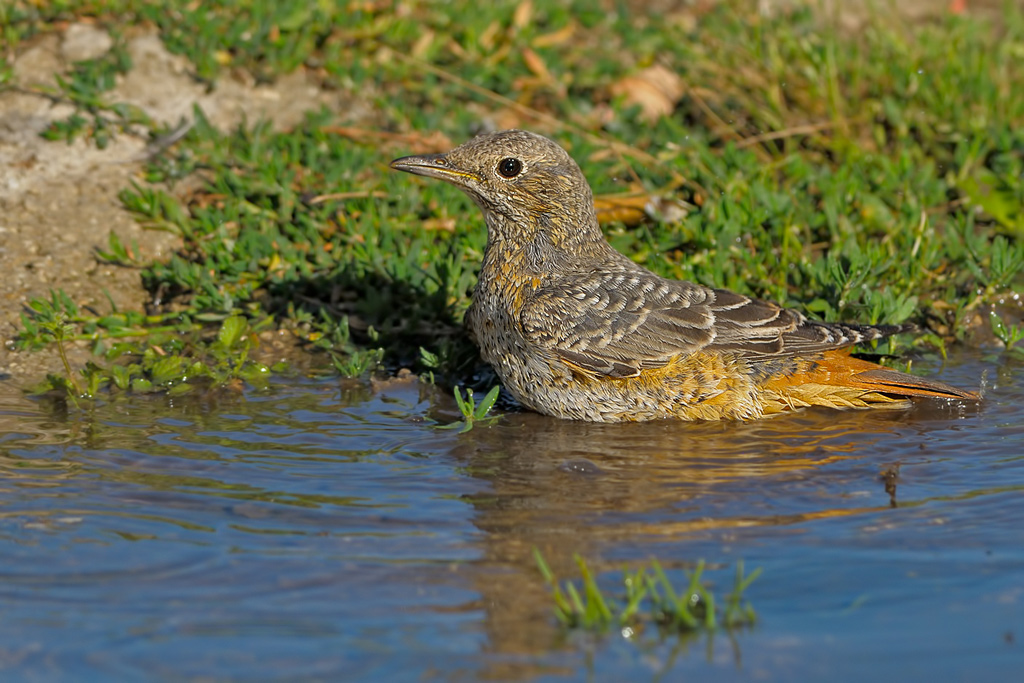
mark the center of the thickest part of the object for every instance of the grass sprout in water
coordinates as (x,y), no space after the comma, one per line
(1008,333)
(649,599)
(473,412)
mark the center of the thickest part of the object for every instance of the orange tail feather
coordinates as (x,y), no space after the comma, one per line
(838,368)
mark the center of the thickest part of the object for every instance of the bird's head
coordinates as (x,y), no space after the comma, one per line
(529,188)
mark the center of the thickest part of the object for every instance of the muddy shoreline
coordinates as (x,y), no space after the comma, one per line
(59,202)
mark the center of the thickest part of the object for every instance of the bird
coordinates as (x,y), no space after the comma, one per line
(575,329)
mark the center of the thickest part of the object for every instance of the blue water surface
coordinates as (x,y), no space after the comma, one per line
(326,530)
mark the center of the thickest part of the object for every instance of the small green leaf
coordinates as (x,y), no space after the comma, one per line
(167,369)
(487,403)
(465,404)
(232,330)
(120,376)
(429,359)
(999,196)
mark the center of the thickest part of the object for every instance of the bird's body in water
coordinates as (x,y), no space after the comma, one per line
(576,330)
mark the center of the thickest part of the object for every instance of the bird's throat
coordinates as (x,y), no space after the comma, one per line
(539,248)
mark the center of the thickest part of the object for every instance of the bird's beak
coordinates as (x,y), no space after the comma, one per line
(434,166)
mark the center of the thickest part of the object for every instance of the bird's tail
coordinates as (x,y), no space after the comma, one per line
(901,384)
(840,380)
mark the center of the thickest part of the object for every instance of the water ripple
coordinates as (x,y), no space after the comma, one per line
(322,529)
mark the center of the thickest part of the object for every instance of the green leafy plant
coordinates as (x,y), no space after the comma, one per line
(93,115)
(118,252)
(50,321)
(473,413)
(143,354)
(1009,335)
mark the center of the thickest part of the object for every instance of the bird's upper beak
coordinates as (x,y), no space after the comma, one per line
(434,166)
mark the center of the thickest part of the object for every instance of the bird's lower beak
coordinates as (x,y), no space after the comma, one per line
(433,166)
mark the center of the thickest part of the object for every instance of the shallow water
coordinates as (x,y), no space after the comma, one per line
(321,530)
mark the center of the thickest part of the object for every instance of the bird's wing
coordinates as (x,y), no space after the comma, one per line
(620,323)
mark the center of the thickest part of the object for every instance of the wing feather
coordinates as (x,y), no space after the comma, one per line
(619,323)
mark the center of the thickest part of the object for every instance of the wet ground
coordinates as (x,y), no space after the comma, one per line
(321,530)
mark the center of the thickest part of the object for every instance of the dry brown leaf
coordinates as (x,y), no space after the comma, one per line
(446,224)
(656,90)
(457,49)
(417,142)
(536,65)
(498,56)
(507,118)
(626,210)
(489,36)
(422,44)
(523,14)
(341,196)
(602,154)
(556,37)
(635,209)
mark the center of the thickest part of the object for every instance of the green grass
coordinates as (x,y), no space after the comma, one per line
(648,598)
(876,177)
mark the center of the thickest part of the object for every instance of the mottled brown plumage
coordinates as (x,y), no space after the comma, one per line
(576,330)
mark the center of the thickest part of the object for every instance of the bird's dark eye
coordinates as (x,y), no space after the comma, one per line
(510,167)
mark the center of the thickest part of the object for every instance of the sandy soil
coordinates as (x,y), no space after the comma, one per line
(58,202)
